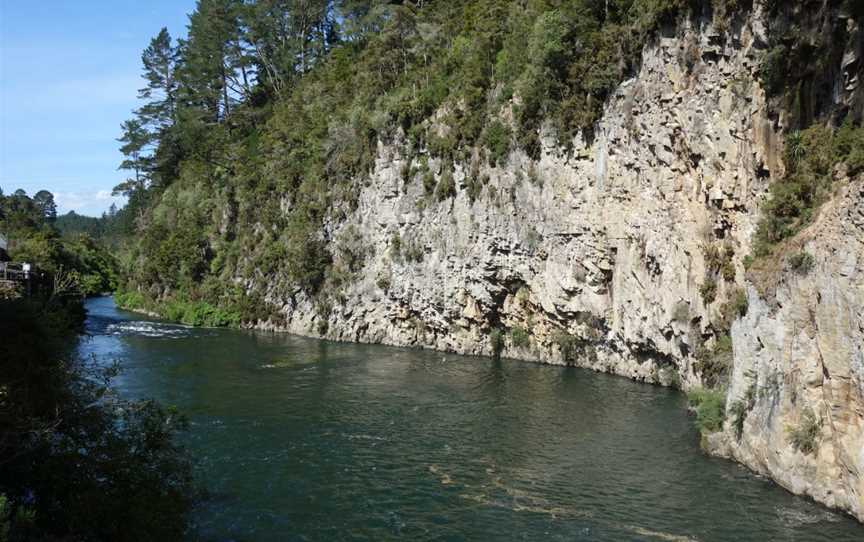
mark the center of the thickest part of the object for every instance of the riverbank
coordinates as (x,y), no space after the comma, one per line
(387,442)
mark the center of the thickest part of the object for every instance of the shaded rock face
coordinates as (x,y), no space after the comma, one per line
(596,256)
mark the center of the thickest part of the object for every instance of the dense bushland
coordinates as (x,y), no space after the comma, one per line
(76,461)
(262,123)
(79,463)
(29,225)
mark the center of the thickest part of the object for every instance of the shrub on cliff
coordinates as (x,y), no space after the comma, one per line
(804,437)
(801,262)
(811,156)
(519,337)
(446,187)
(715,362)
(710,407)
(708,291)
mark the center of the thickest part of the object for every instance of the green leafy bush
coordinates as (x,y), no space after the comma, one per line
(519,337)
(801,262)
(805,436)
(199,314)
(715,363)
(741,408)
(129,299)
(79,462)
(569,345)
(708,291)
(446,187)
(810,156)
(396,246)
(496,139)
(710,409)
(735,307)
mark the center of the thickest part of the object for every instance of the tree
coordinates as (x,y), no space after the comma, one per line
(44,201)
(135,141)
(212,55)
(160,65)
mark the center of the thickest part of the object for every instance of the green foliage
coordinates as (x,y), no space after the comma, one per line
(413,252)
(569,345)
(383,282)
(129,300)
(773,70)
(198,313)
(805,436)
(708,291)
(78,462)
(262,125)
(801,262)
(715,363)
(710,409)
(190,312)
(810,156)
(681,312)
(429,183)
(718,259)
(396,246)
(735,307)
(496,139)
(741,408)
(446,187)
(520,337)
(33,237)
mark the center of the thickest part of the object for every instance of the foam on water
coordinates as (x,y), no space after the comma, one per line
(148,329)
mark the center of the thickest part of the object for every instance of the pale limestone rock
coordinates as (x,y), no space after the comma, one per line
(605,243)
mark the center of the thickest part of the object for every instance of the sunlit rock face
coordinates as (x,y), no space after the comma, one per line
(595,255)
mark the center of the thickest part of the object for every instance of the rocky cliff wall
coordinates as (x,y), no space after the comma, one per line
(596,256)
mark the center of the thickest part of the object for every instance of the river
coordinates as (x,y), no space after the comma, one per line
(301,439)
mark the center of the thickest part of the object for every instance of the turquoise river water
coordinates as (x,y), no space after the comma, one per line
(301,439)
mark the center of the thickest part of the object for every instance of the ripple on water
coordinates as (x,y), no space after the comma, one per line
(296,439)
(149,329)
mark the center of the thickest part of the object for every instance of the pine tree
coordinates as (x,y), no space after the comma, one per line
(212,54)
(136,140)
(160,64)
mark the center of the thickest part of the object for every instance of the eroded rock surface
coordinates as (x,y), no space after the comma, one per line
(596,256)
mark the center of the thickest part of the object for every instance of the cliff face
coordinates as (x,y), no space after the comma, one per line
(596,257)
(799,352)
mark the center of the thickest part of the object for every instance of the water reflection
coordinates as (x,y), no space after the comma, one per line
(299,439)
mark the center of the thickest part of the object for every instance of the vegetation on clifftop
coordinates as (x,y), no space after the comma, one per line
(261,125)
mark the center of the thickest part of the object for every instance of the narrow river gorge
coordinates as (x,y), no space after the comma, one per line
(301,439)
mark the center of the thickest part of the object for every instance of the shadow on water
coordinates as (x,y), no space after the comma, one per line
(299,439)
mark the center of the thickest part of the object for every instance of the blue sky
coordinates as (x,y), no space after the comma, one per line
(69,75)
